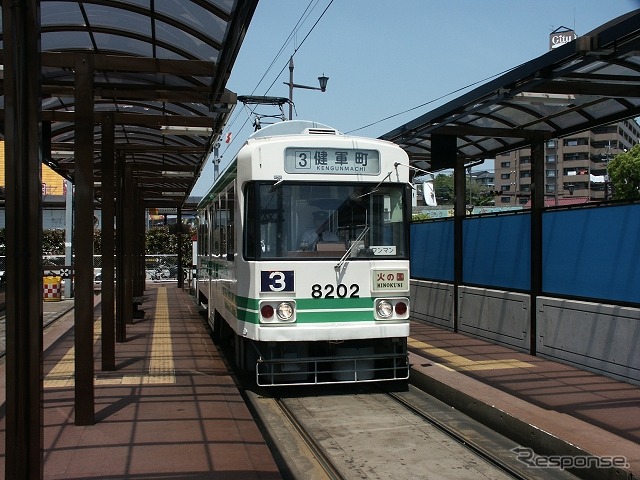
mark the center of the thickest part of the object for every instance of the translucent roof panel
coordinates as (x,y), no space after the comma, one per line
(109,43)
(195,17)
(168,34)
(109,17)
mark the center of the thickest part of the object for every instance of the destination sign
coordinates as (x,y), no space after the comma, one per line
(332,161)
(384,280)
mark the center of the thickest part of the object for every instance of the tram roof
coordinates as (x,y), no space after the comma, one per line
(591,81)
(160,68)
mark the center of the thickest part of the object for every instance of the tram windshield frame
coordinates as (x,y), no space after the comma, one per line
(326,220)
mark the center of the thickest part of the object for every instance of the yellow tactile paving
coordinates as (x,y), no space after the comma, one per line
(161,366)
(63,372)
(458,362)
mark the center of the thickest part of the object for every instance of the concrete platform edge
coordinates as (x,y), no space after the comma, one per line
(527,435)
(295,464)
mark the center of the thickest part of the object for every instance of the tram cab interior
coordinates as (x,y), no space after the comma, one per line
(325,220)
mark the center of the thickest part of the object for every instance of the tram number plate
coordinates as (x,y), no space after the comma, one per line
(277,281)
(335,291)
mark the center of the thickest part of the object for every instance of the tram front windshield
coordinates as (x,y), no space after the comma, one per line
(305,220)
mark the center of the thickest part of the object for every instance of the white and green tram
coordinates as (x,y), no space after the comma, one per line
(303,256)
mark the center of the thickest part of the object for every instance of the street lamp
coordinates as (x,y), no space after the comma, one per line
(323,86)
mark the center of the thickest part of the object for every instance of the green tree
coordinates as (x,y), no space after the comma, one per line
(443,188)
(53,241)
(97,241)
(417,217)
(624,174)
(477,194)
(160,242)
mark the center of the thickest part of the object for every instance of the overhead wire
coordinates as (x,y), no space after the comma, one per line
(433,100)
(301,43)
(303,17)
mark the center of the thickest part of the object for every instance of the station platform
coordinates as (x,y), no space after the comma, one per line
(545,405)
(170,410)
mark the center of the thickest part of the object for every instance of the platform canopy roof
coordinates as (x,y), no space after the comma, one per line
(591,81)
(160,68)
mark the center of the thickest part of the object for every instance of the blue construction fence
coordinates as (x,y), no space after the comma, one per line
(588,252)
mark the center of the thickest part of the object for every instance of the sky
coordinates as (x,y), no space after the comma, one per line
(388,62)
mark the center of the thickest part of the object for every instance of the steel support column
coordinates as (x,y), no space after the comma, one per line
(24,410)
(179,242)
(121,328)
(459,213)
(444,151)
(83,177)
(537,205)
(140,244)
(107,301)
(129,244)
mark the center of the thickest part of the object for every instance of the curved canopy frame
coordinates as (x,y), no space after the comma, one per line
(159,68)
(591,81)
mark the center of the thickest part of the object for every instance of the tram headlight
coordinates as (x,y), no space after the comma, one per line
(384,309)
(284,311)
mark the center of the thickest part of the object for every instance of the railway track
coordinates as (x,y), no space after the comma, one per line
(369,432)
(484,442)
(49,319)
(324,461)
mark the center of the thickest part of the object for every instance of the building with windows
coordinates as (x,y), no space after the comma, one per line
(52,183)
(54,188)
(575,166)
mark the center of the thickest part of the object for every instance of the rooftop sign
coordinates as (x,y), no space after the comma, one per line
(560,36)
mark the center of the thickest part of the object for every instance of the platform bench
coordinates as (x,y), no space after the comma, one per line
(137,301)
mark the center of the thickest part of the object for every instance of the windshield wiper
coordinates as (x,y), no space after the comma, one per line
(279,180)
(351,247)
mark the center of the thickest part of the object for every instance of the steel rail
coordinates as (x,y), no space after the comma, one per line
(318,452)
(509,469)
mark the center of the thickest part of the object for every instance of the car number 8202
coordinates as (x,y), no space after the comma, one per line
(335,291)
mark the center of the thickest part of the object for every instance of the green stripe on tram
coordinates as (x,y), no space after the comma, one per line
(334,316)
(310,310)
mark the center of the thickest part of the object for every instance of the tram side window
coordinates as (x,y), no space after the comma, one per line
(231,246)
(223,225)
(202,233)
(274,220)
(388,210)
(210,228)
(249,233)
(205,234)
(217,235)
